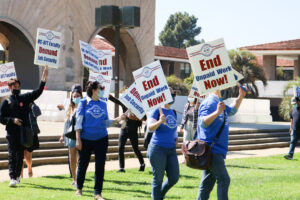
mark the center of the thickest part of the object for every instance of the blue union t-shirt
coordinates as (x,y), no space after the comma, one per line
(94,119)
(164,135)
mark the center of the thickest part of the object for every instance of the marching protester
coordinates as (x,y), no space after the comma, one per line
(14,114)
(187,122)
(162,149)
(213,119)
(91,135)
(129,130)
(34,112)
(76,96)
(294,128)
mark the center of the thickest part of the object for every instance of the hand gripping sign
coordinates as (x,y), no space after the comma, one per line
(89,56)
(7,71)
(211,66)
(152,86)
(132,100)
(47,48)
(105,62)
(104,81)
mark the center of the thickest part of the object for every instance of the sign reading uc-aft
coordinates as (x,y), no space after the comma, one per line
(132,100)
(105,62)
(211,66)
(105,82)
(7,71)
(47,48)
(89,56)
(152,86)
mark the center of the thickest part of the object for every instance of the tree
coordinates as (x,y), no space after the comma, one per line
(178,85)
(245,63)
(180,31)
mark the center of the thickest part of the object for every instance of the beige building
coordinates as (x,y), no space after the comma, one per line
(19,20)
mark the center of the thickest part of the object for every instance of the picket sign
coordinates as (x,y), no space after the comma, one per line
(104,81)
(296,91)
(152,86)
(89,56)
(211,66)
(105,62)
(132,100)
(195,93)
(7,71)
(47,48)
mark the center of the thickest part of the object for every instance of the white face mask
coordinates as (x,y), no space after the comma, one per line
(191,100)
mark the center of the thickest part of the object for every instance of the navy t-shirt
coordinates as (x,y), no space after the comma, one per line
(164,135)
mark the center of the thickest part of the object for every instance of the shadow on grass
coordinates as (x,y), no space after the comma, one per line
(63,177)
(108,189)
(187,187)
(250,167)
(188,177)
(127,182)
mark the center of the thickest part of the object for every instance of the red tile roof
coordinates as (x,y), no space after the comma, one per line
(102,44)
(170,52)
(283,45)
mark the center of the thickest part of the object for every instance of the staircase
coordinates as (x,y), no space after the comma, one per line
(52,152)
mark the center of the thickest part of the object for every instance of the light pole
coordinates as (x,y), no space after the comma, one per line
(113,16)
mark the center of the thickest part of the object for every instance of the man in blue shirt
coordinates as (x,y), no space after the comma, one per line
(211,116)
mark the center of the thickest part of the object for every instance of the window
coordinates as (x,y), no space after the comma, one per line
(284,73)
(185,70)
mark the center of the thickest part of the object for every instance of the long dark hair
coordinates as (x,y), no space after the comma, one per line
(90,86)
(72,105)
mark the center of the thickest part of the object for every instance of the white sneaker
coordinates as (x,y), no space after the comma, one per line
(12,183)
(18,180)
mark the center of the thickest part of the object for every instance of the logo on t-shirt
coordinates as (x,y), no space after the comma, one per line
(96,111)
(171,121)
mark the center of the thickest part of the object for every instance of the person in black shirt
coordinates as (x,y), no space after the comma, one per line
(14,114)
(294,129)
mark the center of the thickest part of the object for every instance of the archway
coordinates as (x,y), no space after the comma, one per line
(19,49)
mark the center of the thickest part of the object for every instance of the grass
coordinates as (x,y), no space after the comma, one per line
(251,178)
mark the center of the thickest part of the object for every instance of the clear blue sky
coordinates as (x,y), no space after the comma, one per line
(239,22)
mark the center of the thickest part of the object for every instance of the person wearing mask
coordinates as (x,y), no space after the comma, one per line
(14,114)
(187,122)
(76,96)
(294,128)
(162,149)
(213,118)
(129,130)
(91,136)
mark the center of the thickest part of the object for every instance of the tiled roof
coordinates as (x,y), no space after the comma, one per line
(283,45)
(170,52)
(102,44)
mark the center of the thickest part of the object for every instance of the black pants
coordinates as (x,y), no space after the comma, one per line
(133,136)
(15,155)
(99,147)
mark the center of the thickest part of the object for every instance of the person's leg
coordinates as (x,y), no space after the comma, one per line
(12,156)
(122,141)
(19,159)
(28,160)
(135,145)
(73,161)
(294,140)
(83,162)
(172,168)
(158,159)
(100,150)
(208,181)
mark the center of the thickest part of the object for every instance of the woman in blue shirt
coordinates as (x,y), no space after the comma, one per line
(162,149)
(91,135)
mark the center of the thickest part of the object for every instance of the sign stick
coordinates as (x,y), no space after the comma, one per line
(161,113)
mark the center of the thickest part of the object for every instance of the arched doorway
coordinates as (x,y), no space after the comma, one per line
(19,49)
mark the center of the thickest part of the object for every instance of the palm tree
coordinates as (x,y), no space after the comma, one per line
(285,106)
(245,63)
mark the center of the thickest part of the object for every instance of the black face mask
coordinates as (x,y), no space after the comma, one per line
(16,92)
(173,96)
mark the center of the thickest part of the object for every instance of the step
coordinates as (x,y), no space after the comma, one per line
(258,146)
(259,141)
(258,135)
(248,131)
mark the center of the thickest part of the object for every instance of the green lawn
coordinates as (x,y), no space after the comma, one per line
(251,178)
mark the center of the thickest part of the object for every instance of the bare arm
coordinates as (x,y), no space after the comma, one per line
(240,98)
(155,125)
(211,118)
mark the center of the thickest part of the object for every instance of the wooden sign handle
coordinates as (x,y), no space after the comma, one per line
(161,113)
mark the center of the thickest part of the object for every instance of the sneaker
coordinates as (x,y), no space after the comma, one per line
(121,170)
(18,180)
(98,197)
(79,192)
(142,167)
(288,157)
(12,183)
(74,184)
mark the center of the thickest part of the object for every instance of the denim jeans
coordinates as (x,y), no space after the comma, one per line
(163,159)
(216,172)
(99,147)
(295,135)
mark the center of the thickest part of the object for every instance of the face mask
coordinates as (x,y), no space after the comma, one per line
(76,100)
(101,93)
(16,92)
(191,100)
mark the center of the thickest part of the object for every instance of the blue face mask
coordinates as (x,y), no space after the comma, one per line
(101,93)
(76,100)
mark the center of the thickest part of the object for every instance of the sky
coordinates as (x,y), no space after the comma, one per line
(239,22)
